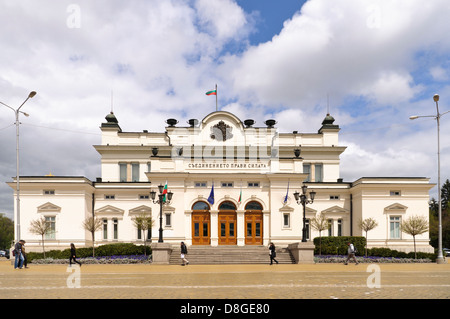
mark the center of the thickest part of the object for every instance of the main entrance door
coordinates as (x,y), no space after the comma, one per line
(227,224)
(201,226)
(253,224)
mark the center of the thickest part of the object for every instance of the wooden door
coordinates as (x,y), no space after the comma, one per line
(253,228)
(201,234)
(227,228)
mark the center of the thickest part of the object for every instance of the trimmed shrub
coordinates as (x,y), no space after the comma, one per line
(118,249)
(337,245)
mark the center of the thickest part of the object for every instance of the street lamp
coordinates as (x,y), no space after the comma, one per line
(161,201)
(17,111)
(302,199)
(440,257)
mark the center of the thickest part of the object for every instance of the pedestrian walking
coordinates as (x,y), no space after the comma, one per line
(351,253)
(184,252)
(25,261)
(73,255)
(17,252)
(272,253)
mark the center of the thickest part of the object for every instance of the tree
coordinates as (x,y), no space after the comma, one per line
(92,225)
(6,231)
(40,227)
(367,225)
(414,225)
(143,222)
(319,223)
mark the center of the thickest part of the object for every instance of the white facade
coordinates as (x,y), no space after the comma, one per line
(259,164)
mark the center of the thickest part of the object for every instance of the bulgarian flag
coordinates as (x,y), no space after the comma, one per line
(213,92)
(164,192)
(240,195)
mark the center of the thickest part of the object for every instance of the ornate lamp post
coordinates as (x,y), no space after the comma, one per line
(302,199)
(161,201)
(16,112)
(440,256)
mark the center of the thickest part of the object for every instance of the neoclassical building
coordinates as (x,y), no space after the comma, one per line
(232,183)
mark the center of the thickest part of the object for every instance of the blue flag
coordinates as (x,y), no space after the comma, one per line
(287,193)
(211,195)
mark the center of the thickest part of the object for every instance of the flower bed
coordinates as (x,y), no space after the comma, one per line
(122,259)
(367,260)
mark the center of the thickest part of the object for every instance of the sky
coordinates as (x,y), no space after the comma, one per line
(370,64)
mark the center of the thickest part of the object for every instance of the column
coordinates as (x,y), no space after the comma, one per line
(214,227)
(240,227)
(266,227)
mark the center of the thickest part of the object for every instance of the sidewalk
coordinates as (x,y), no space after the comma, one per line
(311,281)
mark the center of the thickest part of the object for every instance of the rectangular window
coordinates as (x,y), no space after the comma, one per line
(123,172)
(318,172)
(330,227)
(196,229)
(51,221)
(205,229)
(105,229)
(110,196)
(149,167)
(49,192)
(395,193)
(334,197)
(394,227)
(135,172)
(339,230)
(144,197)
(307,170)
(227,184)
(200,184)
(258,230)
(168,219)
(253,184)
(116,229)
(286,220)
(231,229)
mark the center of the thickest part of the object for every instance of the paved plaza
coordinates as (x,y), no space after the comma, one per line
(302,281)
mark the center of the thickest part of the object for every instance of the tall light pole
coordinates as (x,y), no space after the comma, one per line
(440,256)
(161,201)
(17,111)
(302,199)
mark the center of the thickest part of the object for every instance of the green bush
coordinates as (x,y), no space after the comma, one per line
(118,249)
(337,245)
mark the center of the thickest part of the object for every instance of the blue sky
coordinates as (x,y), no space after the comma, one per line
(371,63)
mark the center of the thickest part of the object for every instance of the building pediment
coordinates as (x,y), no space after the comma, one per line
(109,211)
(396,207)
(143,209)
(48,207)
(335,210)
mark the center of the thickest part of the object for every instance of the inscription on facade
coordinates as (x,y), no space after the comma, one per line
(226,165)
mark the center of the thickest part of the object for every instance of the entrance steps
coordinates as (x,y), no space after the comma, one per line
(205,255)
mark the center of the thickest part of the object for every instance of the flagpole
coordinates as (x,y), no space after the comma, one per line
(216,99)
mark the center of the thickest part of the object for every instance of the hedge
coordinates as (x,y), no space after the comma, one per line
(118,249)
(337,245)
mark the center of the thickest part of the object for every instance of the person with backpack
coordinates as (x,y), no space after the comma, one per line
(351,253)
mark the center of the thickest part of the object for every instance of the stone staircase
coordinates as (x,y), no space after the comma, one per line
(204,255)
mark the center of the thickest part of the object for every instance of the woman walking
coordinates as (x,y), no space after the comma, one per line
(273,253)
(73,255)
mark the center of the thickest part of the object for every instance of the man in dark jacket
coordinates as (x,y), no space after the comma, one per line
(184,252)
(18,262)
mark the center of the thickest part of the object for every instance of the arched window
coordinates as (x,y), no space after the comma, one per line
(200,206)
(253,206)
(227,206)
